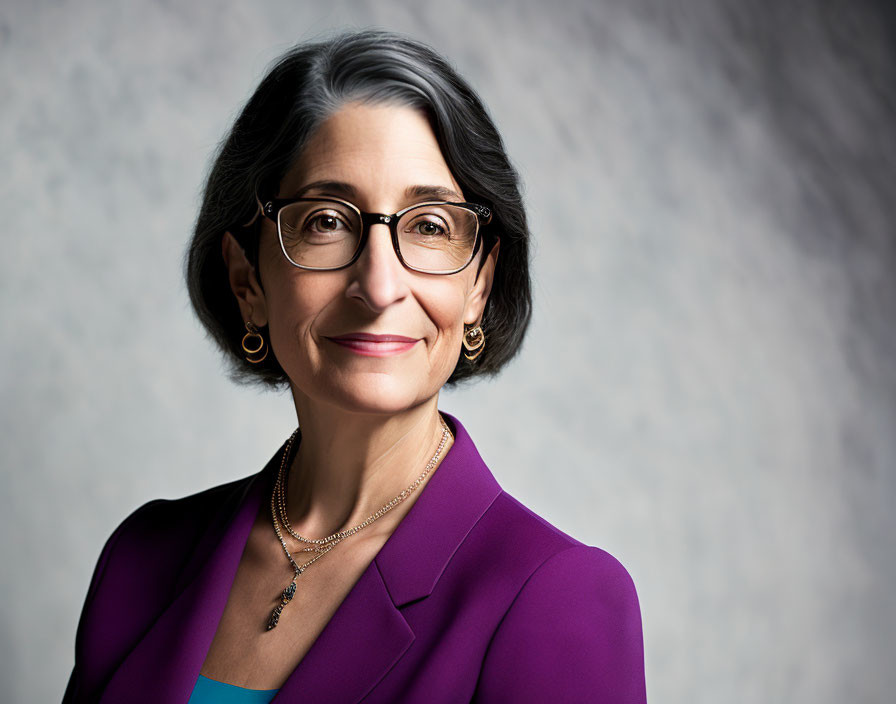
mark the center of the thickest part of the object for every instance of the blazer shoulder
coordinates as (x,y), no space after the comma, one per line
(572,629)
(158,535)
(525,538)
(524,518)
(162,533)
(552,553)
(163,517)
(161,530)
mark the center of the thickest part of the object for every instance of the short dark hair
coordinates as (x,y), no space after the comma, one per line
(303,88)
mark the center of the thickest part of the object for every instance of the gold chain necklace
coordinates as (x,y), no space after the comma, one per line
(323,545)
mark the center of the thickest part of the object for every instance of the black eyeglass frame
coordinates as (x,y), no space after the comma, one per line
(272,207)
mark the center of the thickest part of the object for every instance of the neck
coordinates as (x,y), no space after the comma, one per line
(349,465)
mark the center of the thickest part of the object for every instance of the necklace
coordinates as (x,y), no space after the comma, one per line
(322,546)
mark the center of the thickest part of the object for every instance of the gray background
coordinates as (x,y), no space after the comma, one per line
(708,388)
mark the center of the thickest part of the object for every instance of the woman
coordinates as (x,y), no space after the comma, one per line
(362,242)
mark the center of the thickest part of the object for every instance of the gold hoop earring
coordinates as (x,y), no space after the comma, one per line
(253,332)
(474,341)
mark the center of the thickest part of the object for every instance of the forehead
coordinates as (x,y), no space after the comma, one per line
(381,150)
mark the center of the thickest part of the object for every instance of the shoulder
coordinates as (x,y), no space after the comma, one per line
(161,532)
(536,545)
(573,626)
(164,533)
(554,559)
(136,574)
(163,518)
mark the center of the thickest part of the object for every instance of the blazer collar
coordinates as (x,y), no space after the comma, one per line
(367,632)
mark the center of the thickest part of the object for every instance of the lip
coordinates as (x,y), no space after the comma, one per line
(370,337)
(370,345)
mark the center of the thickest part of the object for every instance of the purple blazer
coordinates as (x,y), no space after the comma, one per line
(473,598)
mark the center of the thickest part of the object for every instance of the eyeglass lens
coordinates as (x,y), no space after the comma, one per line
(431,237)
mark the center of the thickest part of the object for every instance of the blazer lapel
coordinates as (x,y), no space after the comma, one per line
(365,638)
(368,633)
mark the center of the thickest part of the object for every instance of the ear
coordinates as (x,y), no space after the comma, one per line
(482,287)
(244,281)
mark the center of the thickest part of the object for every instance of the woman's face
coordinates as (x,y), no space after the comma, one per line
(380,151)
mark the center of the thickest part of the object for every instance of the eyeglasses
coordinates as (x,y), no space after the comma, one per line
(436,237)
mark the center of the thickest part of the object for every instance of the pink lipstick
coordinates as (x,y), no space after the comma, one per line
(370,345)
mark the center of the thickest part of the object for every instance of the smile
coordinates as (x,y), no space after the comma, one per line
(374,347)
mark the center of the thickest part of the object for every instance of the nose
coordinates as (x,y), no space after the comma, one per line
(378,276)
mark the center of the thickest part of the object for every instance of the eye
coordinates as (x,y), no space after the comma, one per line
(325,222)
(430,225)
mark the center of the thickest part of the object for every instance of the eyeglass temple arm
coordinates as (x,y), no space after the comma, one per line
(258,211)
(482,211)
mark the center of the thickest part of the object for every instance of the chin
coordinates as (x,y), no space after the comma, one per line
(373,392)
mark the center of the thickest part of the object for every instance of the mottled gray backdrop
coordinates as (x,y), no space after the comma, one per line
(708,388)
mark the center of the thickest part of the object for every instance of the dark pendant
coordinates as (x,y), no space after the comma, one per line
(285,598)
(275,617)
(289,592)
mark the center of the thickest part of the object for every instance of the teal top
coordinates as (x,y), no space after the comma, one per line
(208,691)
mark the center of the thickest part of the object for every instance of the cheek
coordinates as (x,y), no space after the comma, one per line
(291,293)
(295,302)
(298,298)
(446,311)
(450,327)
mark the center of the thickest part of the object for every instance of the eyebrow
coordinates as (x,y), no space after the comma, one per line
(341,188)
